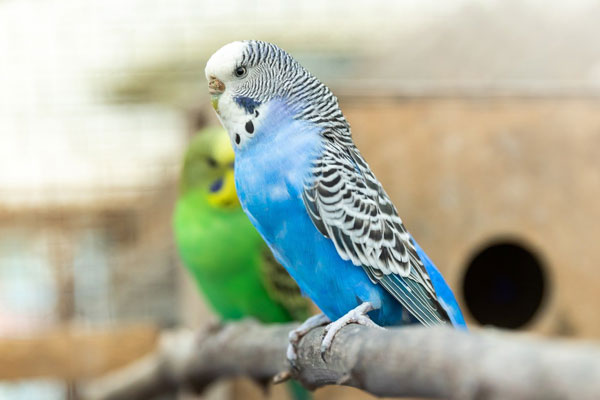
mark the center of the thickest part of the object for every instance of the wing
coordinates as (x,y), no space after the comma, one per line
(282,288)
(348,205)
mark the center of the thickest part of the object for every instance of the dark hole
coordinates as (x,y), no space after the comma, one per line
(504,286)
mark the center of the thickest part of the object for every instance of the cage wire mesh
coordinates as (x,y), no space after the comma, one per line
(94,118)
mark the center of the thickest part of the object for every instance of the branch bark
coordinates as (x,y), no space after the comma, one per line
(411,361)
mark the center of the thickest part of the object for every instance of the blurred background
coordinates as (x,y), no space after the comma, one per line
(481,119)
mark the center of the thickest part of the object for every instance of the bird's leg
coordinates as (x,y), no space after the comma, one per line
(357,315)
(297,334)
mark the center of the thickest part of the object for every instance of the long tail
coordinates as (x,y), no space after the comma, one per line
(298,392)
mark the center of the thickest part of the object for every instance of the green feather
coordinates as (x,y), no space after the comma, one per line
(218,245)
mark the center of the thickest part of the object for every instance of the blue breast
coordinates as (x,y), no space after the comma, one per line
(270,171)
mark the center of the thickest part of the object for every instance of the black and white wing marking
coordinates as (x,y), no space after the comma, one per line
(348,205)
(282,288)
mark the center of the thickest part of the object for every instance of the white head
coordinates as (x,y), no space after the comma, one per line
(227,74)
(244,76)
(221,65)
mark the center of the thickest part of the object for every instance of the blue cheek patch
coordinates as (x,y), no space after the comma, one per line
(247,103)
(216,185)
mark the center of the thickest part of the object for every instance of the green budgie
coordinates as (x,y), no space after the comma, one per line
(225,255)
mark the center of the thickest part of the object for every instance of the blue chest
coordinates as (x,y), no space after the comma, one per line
(271,168)
(270,171)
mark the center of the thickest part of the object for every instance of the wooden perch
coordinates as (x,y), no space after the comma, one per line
(412,361)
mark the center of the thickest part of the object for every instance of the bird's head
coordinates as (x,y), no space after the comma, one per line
(226,72)
(243,77)
(208,168)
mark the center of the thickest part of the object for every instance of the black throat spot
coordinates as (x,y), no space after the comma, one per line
(250,127)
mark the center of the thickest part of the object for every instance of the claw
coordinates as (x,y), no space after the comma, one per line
(281,377)
(357,315)
(296,335)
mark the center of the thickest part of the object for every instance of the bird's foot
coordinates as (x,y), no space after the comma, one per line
(357,315)
(297,334)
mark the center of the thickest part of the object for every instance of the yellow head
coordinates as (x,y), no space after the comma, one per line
(208,167)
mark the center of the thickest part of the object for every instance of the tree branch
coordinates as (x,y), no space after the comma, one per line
(411,361)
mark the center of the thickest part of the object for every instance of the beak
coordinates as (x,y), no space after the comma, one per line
(215,86)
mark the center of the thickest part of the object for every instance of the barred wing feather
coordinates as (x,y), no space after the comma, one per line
(348,205)
(282,288)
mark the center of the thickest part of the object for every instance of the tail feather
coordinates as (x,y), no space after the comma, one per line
(298,392)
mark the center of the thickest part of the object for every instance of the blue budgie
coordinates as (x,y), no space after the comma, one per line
(315,201)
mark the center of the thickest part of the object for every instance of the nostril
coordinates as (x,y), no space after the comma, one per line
(216,85)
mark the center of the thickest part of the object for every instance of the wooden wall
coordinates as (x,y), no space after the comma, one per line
(465,172)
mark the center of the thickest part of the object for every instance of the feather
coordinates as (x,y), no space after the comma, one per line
(281,287)
(347,204)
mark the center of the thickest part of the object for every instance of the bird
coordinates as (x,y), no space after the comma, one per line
(314,199)
(226,257)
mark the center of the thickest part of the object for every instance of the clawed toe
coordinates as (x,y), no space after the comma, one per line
(296,335)
(327,341)
(357,315)
(366,321)
(291,354)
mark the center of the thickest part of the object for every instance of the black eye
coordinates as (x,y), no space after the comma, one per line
(240,72)
(211,162)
